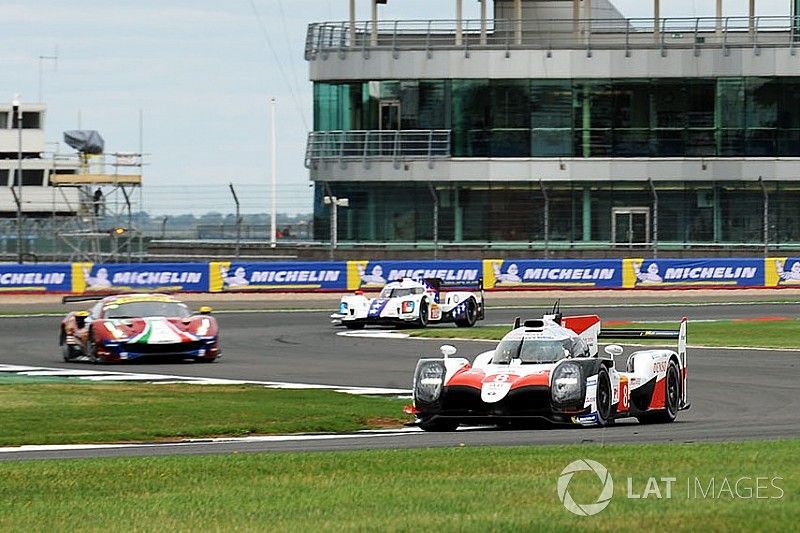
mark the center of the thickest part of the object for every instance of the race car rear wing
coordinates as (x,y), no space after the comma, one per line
(86,298)
(440,284)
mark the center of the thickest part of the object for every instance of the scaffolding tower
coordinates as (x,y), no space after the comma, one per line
(102,224)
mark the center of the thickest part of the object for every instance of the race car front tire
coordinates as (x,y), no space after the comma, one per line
(437,425)
(672,398)
(91,349)
(422,321)
(470,315)
(353,325)
(604,399)
(69,352)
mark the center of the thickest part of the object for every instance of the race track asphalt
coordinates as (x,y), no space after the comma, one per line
(735,394)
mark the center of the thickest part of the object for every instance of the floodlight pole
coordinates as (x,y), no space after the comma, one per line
(17,112)
(274,215)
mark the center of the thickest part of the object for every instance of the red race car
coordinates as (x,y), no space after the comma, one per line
(132,326)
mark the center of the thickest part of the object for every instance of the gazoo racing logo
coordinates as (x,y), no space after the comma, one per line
(603,499)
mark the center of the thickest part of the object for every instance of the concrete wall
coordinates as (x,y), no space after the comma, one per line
(563,169)
(557,64)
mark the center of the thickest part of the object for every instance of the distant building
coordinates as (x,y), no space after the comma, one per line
(38,163)
(558,122)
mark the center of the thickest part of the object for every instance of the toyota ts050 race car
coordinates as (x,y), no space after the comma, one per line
(132,326)
(414,302)
(550,369)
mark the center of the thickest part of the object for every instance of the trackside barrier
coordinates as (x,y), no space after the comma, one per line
(497,274)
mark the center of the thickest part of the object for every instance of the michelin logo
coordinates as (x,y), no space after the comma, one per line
(461,274)
(240,278)
(790,276)
(100,279)
(512,274)
(32,278)
(652,275)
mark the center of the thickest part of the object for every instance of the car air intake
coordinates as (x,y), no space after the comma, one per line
(534,324)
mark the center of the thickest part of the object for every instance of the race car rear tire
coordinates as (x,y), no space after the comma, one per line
(353,325)
(604,399)
(438,425)
(422,321)
(470,315)
(672,399)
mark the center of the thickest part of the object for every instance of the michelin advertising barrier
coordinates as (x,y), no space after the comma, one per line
(721,272)
(375,274)
(36,278)
(497,274)
(555,273)
(234,276)
(110,277)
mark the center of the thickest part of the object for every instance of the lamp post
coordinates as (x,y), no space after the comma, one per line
(17,114)
(335,203)
(274,214)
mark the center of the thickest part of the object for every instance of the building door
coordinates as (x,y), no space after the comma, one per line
(630,225)
(390,115)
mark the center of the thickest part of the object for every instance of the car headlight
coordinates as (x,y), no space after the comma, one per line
(343,308)
(428,381)
(566,384)
(408,307)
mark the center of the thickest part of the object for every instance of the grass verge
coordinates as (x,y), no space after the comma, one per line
(747,333)
(37,413)
(452,489)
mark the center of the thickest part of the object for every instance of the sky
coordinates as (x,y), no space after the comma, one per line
(202,73)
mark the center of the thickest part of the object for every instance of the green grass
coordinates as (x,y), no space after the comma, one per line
(451,489)
(37,413)
(748,333)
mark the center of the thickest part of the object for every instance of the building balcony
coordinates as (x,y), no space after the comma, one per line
(552,49)
(697,34)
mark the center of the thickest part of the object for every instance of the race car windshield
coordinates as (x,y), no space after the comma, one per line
(532,351)
(397,292)
(143,309)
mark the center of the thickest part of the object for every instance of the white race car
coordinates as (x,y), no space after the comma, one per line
(550,368)
(414,302)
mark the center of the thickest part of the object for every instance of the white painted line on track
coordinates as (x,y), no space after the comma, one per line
(106,376)
(210,442)
(374,334)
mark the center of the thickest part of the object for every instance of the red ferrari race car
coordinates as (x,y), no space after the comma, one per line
(132,326)
(551,369)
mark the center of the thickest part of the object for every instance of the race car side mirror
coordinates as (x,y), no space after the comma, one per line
(205,310)
(614,350)
(448,350)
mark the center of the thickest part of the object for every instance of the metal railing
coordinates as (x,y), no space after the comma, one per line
(695,33)
(385,145)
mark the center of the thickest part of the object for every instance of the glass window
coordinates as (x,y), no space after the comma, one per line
(471,118)
(31,177)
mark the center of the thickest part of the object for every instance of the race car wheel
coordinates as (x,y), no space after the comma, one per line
(438,425)
(91,349)
(68,351)
(604,398)
(672,399)
(354,325)
(470,315)
(423,314)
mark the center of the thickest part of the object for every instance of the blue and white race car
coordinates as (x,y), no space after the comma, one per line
(414,302)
